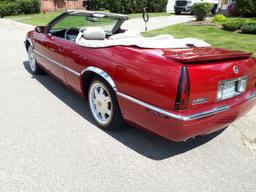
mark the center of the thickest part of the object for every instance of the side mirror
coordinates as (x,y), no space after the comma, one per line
(40,29)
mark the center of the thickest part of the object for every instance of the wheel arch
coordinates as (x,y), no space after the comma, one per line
(88,74)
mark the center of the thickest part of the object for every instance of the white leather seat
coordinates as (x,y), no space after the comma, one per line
(94,33)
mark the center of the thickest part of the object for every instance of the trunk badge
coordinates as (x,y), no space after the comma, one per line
(199,101)
(236,69)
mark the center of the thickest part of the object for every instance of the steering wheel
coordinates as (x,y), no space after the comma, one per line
(75,32)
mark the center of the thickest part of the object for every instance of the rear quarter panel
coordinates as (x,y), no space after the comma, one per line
(143,76)
(147,77)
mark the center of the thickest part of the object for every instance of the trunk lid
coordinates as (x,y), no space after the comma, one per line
(197,55)
(208,68)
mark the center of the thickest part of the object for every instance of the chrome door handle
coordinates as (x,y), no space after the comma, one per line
(52,49)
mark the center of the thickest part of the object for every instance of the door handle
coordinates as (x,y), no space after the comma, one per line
(61,49)
(52,49)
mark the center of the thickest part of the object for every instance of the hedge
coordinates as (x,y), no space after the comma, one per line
(249,28)
(246,8)
(19,7)
(135,6)
(232,26)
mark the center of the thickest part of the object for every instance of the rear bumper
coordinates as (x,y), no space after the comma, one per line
(185,126)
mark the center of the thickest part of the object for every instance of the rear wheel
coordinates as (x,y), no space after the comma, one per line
(32,61)
(104,106)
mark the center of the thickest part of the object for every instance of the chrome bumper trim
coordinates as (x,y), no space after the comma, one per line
(57,63)
(208,113)
(251,96)
(176,116)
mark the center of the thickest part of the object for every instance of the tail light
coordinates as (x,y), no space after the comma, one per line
(182,99)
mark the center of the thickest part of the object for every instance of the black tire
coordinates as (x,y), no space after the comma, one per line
(177,12)
(116,121)
(35,69)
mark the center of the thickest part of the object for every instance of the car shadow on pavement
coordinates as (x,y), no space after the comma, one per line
(144,143)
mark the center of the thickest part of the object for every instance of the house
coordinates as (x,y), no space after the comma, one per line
(225,3)
(224,6)
(54,5)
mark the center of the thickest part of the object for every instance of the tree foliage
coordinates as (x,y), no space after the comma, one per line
(246,8)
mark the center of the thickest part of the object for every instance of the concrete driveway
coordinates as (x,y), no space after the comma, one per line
(156,22)
(49,143)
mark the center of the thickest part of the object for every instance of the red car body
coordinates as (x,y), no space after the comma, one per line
(147,82)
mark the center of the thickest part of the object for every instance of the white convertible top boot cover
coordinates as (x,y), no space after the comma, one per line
(162,41)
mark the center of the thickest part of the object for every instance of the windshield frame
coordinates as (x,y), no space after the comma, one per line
(120,18)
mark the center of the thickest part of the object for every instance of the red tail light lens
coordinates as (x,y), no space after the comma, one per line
(182,99)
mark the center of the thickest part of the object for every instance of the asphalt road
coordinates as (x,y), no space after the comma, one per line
(49,143)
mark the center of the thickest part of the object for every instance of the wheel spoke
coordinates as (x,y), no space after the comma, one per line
(106,99)
(104,117)
(101,92)
(97,93)
(108,111)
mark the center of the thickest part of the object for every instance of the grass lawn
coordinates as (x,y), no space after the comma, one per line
(214,36)
(43,19)
(35,19)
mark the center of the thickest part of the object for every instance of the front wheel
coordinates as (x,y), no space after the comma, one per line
(104,106)
(32,61)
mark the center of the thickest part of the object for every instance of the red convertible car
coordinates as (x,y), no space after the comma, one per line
(176,88)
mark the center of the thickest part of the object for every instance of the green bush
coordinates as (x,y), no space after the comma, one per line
(202,10)
(246,8)
(219,18)
(9,9)
(19,7)
(249,28)
(232,25)
(136,6)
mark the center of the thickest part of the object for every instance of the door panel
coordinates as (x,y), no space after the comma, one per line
(55,55)
(41,50)
(76,62)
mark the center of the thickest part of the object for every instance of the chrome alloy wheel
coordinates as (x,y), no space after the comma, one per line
(101,104)
(31,59)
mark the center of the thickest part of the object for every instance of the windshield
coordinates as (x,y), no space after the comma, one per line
(80,21)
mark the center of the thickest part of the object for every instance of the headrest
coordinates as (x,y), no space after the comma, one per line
(94,33)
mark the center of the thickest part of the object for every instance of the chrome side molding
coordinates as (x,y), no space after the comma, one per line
(57,63)
(151,107)
(96,70)
(173,115)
